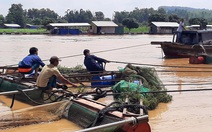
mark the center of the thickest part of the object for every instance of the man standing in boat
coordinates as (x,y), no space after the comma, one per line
(180,28)
(93,63)
(47,79)
(31,63)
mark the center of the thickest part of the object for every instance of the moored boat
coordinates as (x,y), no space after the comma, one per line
(191,43)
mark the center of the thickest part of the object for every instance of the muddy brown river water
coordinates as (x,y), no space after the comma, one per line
(188,112)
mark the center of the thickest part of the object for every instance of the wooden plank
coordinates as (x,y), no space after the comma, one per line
(97,107)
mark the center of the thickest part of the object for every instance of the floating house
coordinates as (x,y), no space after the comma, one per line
(104,27)
(163,27)
(11,26)
(68,28)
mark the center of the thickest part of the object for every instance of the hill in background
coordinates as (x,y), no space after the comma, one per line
(173,8)
(189,13)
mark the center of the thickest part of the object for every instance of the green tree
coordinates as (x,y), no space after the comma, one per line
(194,21)
(99,16)
(16,15)
(158,18)
(47,13)
(78,16)
(1,20)
(130,23)
(61,20)
(47,20)
(33,13)
(173,18)
(161,11)
(120,16)
(107,19)
(37,21)
(199,21)
(39,16)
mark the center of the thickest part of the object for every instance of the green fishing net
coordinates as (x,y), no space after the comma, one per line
(149,81)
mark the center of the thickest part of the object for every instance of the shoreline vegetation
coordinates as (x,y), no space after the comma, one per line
(23,31)
(139,30)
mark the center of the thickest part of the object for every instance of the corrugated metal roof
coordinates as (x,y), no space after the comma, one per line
(195,25)
(29,25)
(12,25)
(69,24)
(104,24)
(166,24)
(209,25)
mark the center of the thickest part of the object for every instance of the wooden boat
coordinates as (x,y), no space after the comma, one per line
(90,115)
(191,43)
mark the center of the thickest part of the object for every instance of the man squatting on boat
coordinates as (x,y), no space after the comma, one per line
(31,63)
(47,79)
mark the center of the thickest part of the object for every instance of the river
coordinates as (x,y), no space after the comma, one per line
(188,111)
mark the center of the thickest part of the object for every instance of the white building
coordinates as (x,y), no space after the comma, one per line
(103,27)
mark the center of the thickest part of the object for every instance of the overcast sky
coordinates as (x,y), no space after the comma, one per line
(106,6)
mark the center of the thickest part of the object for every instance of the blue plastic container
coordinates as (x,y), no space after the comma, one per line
(102,81)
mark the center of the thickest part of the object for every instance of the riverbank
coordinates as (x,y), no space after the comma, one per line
(17,33)
(23,31)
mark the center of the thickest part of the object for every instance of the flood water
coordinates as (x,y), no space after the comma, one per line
(188,112)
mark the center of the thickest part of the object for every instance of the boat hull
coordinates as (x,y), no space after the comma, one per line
(9,85)
(176,50)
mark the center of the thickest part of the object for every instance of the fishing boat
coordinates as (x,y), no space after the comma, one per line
(191,43)
(89,114)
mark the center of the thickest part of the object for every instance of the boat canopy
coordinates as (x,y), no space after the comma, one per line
(192,37)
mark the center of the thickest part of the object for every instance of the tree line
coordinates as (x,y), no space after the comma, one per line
(131,19)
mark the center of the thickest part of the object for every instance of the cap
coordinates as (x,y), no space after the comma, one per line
(54,58)
(86,51)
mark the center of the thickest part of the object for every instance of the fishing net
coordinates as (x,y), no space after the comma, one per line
(76,69)
(33,115)
(69,71)
(149,78)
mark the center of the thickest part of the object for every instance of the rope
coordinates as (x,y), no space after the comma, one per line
(187,84)
(115,106)
(168,84)
(179,71)
(29,97)
(92,52)
(13,99)
(102,112)
(159,65)
(164,91)
(106,50)
(49,96)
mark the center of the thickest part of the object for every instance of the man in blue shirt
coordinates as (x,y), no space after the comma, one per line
(31,62)
(93,63)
